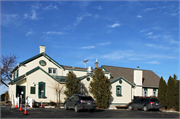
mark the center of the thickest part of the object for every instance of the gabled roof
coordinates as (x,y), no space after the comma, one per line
(60,79)
(78,69)
(114,80)
(149,77)
(35,57)
(22,77)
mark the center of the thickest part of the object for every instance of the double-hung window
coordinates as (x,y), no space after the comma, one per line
(41,90)
(118,91)
(145,92)
(154,92)
(32,91)
(52,71)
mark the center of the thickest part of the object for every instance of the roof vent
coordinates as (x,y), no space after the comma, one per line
(89,70)
(137,67)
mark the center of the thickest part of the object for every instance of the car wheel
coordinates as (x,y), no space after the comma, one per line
(65,107)
(76,109)
(130,107)
(145,108)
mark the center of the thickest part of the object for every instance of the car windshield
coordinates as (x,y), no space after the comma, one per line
(86,98)
(154,100)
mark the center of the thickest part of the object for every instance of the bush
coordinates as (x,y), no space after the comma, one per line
(3,97)
(7,96)
(52,103)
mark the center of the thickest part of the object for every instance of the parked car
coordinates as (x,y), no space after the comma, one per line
(79,102)
(145,104)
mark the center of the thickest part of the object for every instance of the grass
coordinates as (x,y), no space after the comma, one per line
(2,102)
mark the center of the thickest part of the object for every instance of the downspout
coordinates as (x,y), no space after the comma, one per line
(131,93)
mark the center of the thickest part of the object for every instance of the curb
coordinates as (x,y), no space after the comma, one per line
(170,111)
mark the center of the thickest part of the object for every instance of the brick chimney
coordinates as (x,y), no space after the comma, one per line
(42,48)
(96,64)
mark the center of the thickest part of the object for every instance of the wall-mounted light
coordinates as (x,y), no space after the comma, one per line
(34,83)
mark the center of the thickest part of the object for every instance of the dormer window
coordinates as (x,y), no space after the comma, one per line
(52,71)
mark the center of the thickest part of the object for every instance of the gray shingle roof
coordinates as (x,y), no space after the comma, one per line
(149,77)
(76,68)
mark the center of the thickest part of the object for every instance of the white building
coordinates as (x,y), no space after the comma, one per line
(40,76)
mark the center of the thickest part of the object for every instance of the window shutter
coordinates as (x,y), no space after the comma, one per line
(14,75)
(17,73)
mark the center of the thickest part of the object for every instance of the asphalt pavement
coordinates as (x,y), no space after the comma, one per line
(8,112)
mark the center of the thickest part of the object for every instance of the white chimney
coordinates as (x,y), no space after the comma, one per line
(138,76)
(42,48)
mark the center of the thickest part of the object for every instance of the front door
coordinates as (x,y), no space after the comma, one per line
(21,90)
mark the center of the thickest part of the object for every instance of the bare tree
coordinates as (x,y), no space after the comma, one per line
(59,89)
(7,64)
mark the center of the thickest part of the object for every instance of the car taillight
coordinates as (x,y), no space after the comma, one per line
(82,101)
(159,102)
(151,102)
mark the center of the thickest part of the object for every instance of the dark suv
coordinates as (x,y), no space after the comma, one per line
(145,104)
(79,102)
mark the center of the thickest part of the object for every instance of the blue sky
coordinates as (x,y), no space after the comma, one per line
(117,33)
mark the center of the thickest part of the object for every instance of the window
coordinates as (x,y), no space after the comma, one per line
(120,81)
(137,100)
(86,98)
(154,100)
(145,92)
(41,91)
(88,79)
(32,90)
(72,97)
(118,91)
(52,70)
(144,100)
(76,98)
(154,92)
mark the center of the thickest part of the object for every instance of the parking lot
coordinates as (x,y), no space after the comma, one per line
(7,112)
